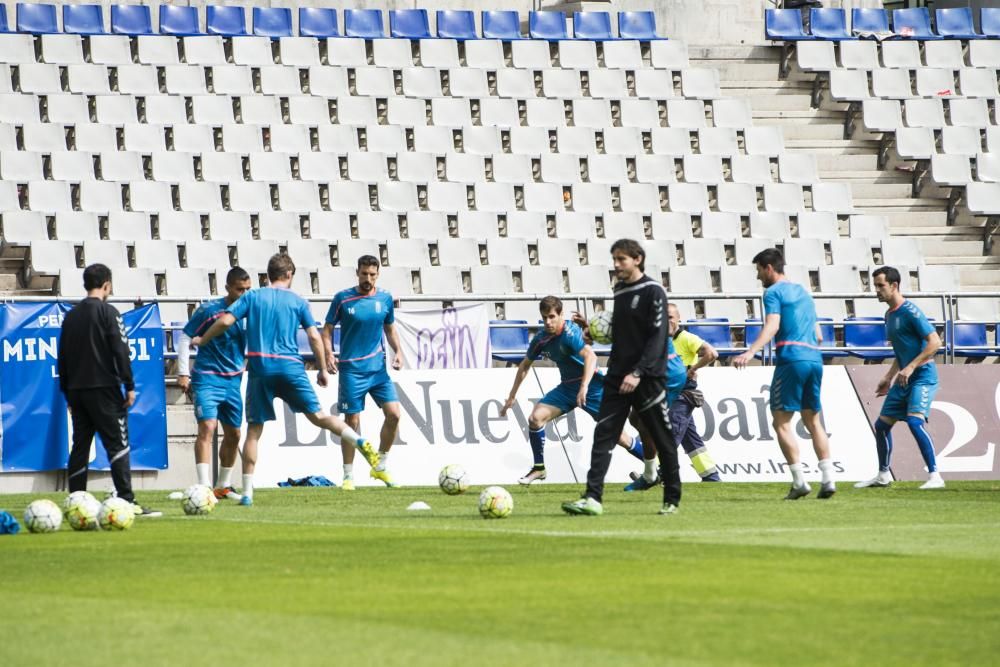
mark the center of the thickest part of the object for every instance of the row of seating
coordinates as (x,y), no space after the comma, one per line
(275,22)
(914,23)
(821,56)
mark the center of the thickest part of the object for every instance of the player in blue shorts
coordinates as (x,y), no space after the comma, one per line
(790,319)
(365,313)
(563,343)
(276,370)
(215,383)
(914,342)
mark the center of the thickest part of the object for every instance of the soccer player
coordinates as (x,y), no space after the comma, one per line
(790,318)
(218,374)
(563,343)
(365,312)
(273,316)
(914,342)
(636,379)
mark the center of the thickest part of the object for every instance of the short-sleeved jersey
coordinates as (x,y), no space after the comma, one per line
(676,369)
(361,318)
(687,344)
(796,338)
(224,354)
(563,349)
(907,329)
(273,317)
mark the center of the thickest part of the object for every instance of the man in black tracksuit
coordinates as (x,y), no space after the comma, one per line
(636,379)
(93,366)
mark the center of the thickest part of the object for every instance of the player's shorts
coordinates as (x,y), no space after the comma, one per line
(563,397)
(295,389)
(913,399)
(218,397)
(353,387)
(796,386)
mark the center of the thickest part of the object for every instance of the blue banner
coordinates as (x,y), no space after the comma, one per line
(34,417)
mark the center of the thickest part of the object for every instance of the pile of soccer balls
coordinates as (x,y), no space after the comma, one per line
(495,502)
(81,511)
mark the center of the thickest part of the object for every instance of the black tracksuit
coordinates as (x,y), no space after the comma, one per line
(639,333)
(93,366)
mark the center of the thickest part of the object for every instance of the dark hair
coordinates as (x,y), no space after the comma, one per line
(771,257)
(279,266)
(891,274)
(236,274)
(631,248)
(95,275)
(368,260)
(550,303)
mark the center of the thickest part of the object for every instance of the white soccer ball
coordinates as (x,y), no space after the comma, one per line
(80,509)
(453,480)
(116,514)
(43,516)
(495,502)
(600,327)
(198,499)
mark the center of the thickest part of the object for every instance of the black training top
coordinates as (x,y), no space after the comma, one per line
(93,348)
(639,329)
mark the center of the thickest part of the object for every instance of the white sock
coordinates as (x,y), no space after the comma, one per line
(383,459)
(348,471)
(204,471)
(650,472)
(350,436)
(225,477)
(826,467)
(248,485)
(796,470)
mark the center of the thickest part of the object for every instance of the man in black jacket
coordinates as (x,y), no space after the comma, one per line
(93,366)
(636,379)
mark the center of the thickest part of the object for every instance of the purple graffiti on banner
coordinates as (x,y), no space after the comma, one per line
(450,346)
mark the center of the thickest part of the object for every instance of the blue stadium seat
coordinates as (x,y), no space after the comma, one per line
(715,335)
(501,24)
(547,25)
(131,20)
(829,24)
(179,21)
(750,332)
(225,21)
(3,19)
(869,20)
(866,332)
(409,23)
(320,22)
(637,25)
(456,24)
(364,23)
(509,338)
(592,25)
(956,23)
(38,19)
(967,334)
(989,21)
(784,25)
(914,23)
(273,22)
(829,344)
(83,19)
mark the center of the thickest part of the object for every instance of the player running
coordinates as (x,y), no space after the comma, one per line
(273,316)
(562,343)
(914,342)
(218,374)
(790,318)
(365,313)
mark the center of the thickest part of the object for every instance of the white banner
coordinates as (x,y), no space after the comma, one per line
(454,417)
(449,338)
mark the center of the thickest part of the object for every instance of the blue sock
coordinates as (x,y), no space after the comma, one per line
(923,439)
(636,448)
(883,443)
(537,440)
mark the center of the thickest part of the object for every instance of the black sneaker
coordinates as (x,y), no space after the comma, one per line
(147,512)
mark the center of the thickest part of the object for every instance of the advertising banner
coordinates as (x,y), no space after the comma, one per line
(456,337)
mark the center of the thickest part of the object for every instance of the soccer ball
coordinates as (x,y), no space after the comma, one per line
(116,514)
(453,480)
(43,516)
(600,327)
(80,509)
(198,499)
(495,502)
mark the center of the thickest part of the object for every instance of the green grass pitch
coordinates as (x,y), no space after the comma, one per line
(324,577)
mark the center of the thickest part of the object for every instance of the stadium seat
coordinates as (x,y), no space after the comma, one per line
(866,332)
(718,335)
(458,24)
(38,19)
(363,23)
(409,23)
(637,25)
(320,22)
(83,19)
(4,26)
(547,25)
(179,21)
(131,20)
(510,342)
(955,23)
(913,23)
(225,21)
(989,21)
(869,20)
(784,25)
(829,24)
(970,335)
(273,22)
(594,26)
(501,24)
